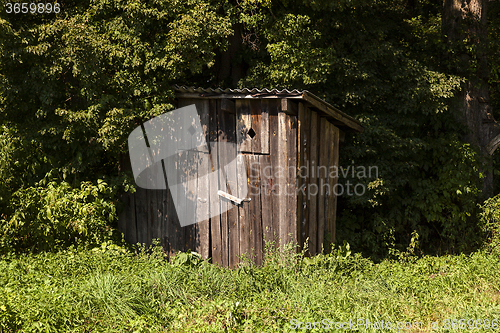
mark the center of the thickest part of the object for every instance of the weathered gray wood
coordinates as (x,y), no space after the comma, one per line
(306,172)
(203,191)
(313,181)
(244,208)
(255,209)
(274,158)
(161,215)
(288,106)
(132,222)
(264,127)
(266,198)
(322,180)
(184,176)
(215,221)
(153,216)
(189,176)
(163,226)
(229,217)
(347,121)
(274,213)
(227,105)
(141,213)
(341,135)
(255,111)
(300,179)
(127,218)
(282,179)
(328,218)
(244,119)
(332,200)
(291,193)
(183,195)
(175,234)
(123,217)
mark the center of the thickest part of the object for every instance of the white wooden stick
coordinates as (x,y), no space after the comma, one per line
(231,197)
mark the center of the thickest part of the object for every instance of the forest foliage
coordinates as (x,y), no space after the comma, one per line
(74,84)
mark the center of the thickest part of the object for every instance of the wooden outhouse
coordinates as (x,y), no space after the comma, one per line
(285,143)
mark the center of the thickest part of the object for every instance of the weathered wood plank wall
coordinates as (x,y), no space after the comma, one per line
(287,135)
(316,203)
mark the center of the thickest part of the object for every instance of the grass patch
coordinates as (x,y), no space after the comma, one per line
(114,290)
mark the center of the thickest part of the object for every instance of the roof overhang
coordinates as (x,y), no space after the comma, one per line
(337,117)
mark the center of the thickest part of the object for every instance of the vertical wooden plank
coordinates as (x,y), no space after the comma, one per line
(323,183)
(149,222)
(282,179)
(254,192)
(186,167)
(332,199)
(305,172)
(180,161)
(255,111)
(330,136)
(274,186)
(266,199)
(203,192)
(185,190)
(153,217)
(163,227)
(264,126)
(160,215)
(244,119)
(126,220)
(141,213)
(132,222)
(215,221)
(313,186)
(229,217)
(197,204)
(245,242)
(124,217)
(291,166)
(189,176)
(300,179)
(289,106)
(175,234)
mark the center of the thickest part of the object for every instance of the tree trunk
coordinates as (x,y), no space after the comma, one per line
(464,29)
(229,63)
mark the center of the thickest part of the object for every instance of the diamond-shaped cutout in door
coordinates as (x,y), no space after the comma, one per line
(251,133)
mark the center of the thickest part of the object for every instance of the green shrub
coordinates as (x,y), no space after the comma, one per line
(8,317)
(16,169)
(490,220)
(54,215)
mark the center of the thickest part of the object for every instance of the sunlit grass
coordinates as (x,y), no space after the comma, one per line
(114,290)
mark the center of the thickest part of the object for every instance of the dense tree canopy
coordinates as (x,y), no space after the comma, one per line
(74,84)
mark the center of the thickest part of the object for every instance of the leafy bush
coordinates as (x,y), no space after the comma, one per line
(54,215)
(393,76)
(490,220)
(16,169)
(431,189)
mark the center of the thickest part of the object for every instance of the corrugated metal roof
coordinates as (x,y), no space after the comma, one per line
(244,91)
(342,120)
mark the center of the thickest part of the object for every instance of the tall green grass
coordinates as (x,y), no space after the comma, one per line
(110,289)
